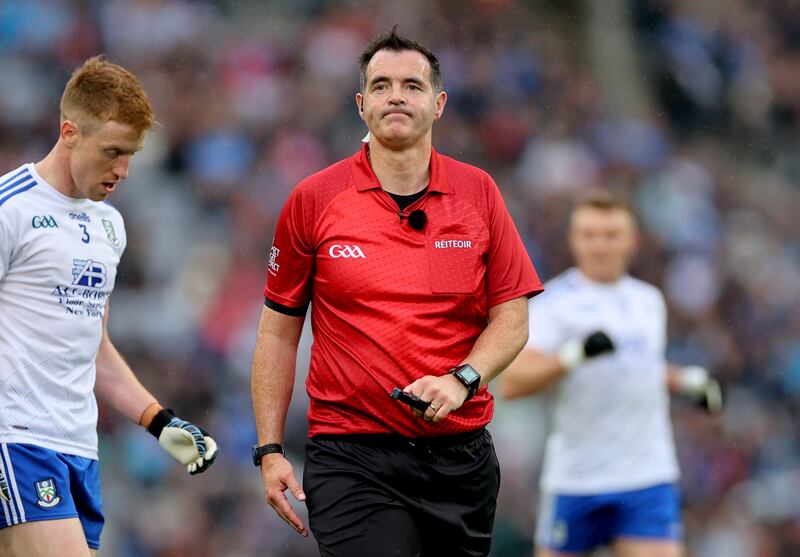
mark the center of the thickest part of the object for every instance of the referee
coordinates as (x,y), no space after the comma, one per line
(418,280)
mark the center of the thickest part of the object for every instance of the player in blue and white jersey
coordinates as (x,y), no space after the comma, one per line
(599,336)
(59,250)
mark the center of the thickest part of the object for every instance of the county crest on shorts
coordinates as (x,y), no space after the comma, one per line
(46,492)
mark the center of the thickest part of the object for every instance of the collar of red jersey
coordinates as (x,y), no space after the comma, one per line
(365,178)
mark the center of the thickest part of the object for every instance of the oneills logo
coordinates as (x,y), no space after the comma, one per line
(336,251)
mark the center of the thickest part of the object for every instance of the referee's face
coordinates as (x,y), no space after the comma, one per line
(602,242)
(399,104)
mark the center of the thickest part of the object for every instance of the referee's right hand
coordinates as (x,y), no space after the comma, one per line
(278,476)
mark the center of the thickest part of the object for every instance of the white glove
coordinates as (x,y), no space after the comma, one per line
(185,442)
(575,352)
(697,383)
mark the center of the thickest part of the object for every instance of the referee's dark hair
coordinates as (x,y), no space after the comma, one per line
(393,41)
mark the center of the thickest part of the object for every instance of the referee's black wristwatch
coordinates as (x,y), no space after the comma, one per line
(469,377)
(270,448)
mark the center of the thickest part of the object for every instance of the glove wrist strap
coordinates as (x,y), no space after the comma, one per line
(160,421)
(149,413)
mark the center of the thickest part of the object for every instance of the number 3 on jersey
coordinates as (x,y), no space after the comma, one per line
(85,238)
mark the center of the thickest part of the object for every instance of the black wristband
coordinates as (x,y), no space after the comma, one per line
(160,421)
(270,448)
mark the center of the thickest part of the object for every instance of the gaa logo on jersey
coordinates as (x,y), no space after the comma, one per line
(46,493)
(336,251)
(88,273)
(45,221)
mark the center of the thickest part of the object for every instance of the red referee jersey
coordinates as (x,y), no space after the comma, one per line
(390,304)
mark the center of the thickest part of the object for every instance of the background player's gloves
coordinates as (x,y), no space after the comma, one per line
(704,390)
(575,352)
(185,442)
(5,495)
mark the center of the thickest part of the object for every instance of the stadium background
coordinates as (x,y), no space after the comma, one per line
(689,107)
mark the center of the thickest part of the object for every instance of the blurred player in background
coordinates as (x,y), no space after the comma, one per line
(600,335)
(418,280)
(59,250)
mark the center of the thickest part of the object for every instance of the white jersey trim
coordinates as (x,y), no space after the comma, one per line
(47,443)
(606,486)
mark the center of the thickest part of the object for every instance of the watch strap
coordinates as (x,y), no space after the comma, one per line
(471,386)
(269,448)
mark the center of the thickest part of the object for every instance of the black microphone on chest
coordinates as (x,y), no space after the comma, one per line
(417,219)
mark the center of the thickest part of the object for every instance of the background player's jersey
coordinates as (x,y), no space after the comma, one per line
(611,429)
(58,263)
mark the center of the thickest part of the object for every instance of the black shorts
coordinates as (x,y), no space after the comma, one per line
(383,495)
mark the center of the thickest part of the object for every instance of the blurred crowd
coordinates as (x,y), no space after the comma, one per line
(250,97)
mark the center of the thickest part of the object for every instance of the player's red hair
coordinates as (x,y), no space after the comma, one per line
(100,91)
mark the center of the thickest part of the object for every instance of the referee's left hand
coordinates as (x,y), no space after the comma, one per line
(444,393)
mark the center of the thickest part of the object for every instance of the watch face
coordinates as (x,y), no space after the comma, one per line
(469,374)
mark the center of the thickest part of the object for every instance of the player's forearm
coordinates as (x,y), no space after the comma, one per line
(118,386)
(273,373)
(674,384)
(501,341)
(530,373)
